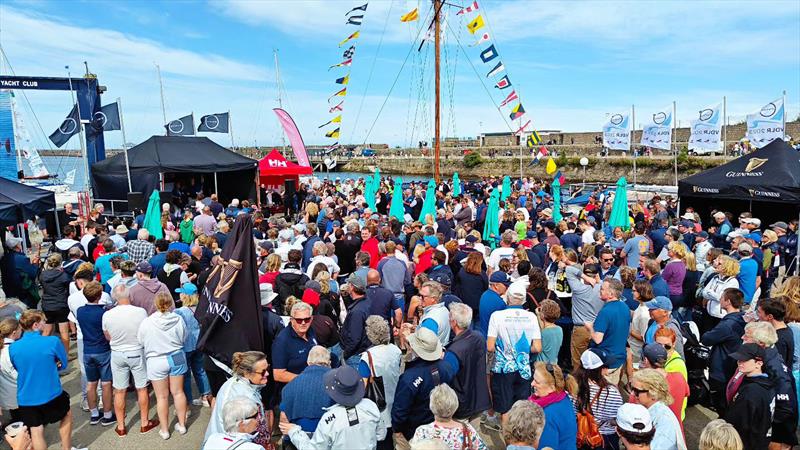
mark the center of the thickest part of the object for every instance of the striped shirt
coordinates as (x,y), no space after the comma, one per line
(605,408)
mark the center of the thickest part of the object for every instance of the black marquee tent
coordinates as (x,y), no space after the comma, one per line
(19,202)
(766,182)
(233,173)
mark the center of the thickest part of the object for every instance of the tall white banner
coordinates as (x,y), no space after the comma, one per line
(617,132)
(706,129)
(766,125)
(658,132)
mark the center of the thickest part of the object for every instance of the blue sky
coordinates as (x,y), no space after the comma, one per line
(570,62)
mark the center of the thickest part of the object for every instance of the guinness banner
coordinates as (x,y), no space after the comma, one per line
(229,310)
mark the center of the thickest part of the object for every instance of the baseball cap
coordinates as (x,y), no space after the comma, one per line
(688,216)
(471,239)
(756,237)
(144,267)
(285,235)
(749,351)
(752,220)
(530,234)
(702,234)
(655,353)
(266,245)
(500,277)
(782,225)
(591,219)
(187,288)
(769,237)
(659,302)
(337,223)
(432,241)
(745,247)
(594,358)
(299,227)
(686,223)
(357,282)
(634,418)
(442,278)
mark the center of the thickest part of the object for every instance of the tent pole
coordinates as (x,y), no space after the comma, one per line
(124,143)
(58,225)
(216,186)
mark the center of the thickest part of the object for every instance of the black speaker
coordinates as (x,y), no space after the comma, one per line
(165,197)
(136,201)
(290,187)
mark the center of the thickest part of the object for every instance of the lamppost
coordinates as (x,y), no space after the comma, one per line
(584,163)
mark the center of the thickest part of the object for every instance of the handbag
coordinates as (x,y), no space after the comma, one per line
(588,431)
(375,390)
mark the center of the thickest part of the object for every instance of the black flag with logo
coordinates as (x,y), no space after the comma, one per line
(68,128)
(214,123)
(229,311)
(107,119)
(181,127)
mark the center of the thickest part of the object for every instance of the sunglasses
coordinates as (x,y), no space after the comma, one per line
(255,415)
(638,392)
(608,259)
(302,320)
(668,346)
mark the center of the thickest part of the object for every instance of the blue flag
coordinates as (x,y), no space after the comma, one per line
(108,118)
(68,128)
(181,127)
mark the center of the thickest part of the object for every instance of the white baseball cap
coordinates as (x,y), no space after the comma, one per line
(634,418)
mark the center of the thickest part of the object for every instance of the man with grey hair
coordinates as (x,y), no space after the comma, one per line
(524,425)
(610,329)
(120,326)
(504,251)
(141,249)
(304,400)
(205,222)
(468,350)
(320,252)
(240,421)
(512,336)
(435,316)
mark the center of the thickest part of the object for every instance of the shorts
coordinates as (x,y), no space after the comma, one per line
(57,316)
(507,388)
(40,415)
(98,366)
(784,432)
(123,364)
(162,367)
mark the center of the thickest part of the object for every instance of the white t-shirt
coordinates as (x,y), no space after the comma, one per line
(122,323)
(498,254)
(77,300)
(588,236)
(514,329)
(327,260)
(641,316)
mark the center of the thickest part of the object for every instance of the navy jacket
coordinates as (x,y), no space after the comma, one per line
(724,339)
(785,395)
(353,336)
(657,236)
(380,301)
(469,288)
(470,382)
(308,246)
(571,240)
(411,399)
(660,287)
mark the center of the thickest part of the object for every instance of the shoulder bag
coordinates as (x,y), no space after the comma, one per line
(375,390)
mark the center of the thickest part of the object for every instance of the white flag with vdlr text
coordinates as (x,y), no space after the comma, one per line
(617,132)
(706,129)
(657,132)
(766,125)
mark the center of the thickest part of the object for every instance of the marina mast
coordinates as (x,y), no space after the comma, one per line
(278,87)
(437,6)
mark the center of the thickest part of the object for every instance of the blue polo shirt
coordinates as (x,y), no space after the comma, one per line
(158,261)
(748,270)
(660,287)
(34,356)
(290,351)
(490,302)
(182,246)
(90,319)
(614,321)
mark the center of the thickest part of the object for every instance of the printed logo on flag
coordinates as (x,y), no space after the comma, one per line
(176,126)
(68,126)
(766,125)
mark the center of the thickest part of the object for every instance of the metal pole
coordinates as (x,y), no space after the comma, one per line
(163,108)
(124,144)
(675,138)
(230,130)
(437,6)
(216,186)
(80,133)
(784,118)
(520,159)
(724,125)
(58,225)
(633,119)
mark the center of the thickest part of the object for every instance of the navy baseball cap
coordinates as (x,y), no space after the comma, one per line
(500,277)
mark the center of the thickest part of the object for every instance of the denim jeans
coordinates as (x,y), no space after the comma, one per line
(195,362)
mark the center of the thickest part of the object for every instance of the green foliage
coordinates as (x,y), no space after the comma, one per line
(472,159)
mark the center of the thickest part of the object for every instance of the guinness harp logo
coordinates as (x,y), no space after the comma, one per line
(227,271)
(755,163)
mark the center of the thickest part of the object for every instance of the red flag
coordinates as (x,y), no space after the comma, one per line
(337,107)
(511,97)
(522,128)
(470,8)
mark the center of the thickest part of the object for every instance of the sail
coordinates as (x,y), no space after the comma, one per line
(8,148)
(290,128)
(30,162)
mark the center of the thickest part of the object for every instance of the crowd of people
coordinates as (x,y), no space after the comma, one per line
(418,332)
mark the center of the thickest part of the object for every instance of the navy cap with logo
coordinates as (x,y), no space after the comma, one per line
(442,278)
(749,351)
(500,277)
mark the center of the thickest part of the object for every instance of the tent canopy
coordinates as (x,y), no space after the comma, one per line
(770,174)
(19,202)
(274,164)
(172,154)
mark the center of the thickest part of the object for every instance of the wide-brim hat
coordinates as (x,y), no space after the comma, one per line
(425,344)
(267,294)
(344,385)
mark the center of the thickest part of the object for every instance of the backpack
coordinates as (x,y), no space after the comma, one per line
(588,431)
(697,357)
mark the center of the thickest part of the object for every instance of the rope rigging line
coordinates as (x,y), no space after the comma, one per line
(394,83)
(372,69)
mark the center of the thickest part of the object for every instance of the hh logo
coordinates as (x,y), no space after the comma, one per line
(276,163)
(755,163)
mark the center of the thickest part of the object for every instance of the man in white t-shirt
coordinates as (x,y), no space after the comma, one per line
(512,336)
(505,250)
(587,230)
(120,325)
(320,251)
(75,301)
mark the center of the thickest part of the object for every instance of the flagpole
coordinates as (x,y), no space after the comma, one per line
(724,126)
(194,131)
(80,133)
(124,143)
(633,134)
(230,130)
(163,108)
(784,115)
(675,138)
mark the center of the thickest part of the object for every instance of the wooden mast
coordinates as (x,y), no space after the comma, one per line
(437,6)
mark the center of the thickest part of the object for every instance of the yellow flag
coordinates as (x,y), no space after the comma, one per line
(410,16)
(337,119)
(475,25)
(352,36)
(551,166)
